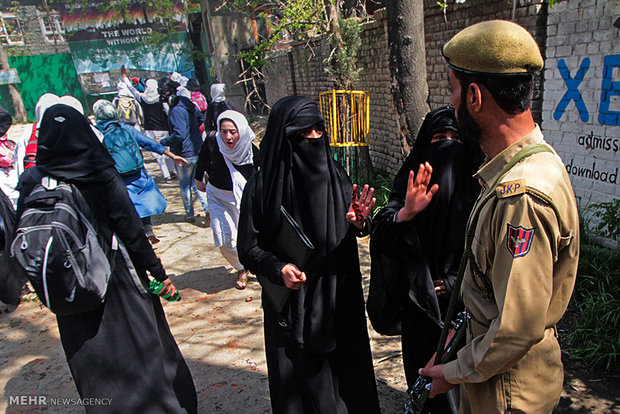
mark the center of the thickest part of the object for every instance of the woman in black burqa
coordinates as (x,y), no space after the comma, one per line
(318,351)
(425,250)
(124,349)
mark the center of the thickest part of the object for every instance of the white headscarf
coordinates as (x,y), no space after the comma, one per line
(45,101)
(240,154)
(177,77)
(72,102)
(150,95)
(217,92)
(123,89)
(183,91)
(104,110)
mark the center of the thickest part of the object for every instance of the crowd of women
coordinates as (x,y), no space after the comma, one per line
(316,340)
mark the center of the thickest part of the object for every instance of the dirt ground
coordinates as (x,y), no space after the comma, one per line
(219,331)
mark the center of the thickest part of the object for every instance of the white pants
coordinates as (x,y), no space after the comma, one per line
(230,254)
(166,165)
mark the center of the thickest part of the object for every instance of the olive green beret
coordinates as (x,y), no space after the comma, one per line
(495,47)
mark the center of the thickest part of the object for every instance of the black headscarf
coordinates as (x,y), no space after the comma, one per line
(68,149)
(440,119)
(301,175)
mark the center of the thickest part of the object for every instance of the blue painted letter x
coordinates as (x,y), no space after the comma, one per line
(572,94)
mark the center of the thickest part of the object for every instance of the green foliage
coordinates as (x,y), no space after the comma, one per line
(609,215)
(344,68)
(382,184)
(295,19)
(594,337)
(301,20)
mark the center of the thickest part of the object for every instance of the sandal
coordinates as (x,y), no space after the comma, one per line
(242,280)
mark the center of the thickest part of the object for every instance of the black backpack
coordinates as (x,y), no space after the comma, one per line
(58,248)
(12,277)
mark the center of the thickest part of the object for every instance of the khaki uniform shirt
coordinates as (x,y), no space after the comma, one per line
(528,255)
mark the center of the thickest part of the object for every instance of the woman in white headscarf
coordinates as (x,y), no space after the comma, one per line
(226,162)
(218,105)
(129,110)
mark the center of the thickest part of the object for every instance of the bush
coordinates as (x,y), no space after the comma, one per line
(382,183)
(594,337)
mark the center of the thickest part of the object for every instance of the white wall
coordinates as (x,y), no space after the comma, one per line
(581,105)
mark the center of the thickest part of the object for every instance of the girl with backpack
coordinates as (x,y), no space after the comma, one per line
(123,349)
(123,143)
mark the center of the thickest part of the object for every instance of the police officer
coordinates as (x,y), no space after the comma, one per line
(522,235)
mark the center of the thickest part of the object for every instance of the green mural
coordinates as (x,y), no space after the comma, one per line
(40,74)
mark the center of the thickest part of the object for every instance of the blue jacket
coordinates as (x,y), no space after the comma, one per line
(185,138)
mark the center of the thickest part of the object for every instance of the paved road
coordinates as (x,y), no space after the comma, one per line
(218,328)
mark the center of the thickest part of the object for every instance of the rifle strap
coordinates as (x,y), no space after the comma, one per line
(467,253)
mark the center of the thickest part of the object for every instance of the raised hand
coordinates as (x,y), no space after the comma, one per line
(361,207)
(417,198)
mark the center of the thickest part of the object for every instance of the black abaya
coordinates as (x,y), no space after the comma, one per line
(124,349)
(318,351)
(430,246)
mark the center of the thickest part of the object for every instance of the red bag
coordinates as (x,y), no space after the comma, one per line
(31,148)
(199,100)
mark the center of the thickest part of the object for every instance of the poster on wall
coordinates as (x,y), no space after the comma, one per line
(102,40)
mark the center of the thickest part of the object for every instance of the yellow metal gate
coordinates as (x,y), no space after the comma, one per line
(347,119)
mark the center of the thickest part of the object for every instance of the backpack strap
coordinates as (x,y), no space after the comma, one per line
(468,254)
(49,183)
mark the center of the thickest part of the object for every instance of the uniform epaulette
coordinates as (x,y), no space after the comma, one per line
(510,188)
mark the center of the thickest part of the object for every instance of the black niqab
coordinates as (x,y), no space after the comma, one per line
(68,149)
(440,228)
(301,175)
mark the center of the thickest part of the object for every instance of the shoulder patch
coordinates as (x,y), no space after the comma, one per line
(519,240)
(510,188)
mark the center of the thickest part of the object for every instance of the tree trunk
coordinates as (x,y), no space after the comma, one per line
(353,8)
(405,22)
(331,10)
(18,104)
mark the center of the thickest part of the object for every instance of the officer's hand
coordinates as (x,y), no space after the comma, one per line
(417,198)
(292,277)
(439,385)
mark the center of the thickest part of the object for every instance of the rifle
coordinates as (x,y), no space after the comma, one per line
(419,391)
